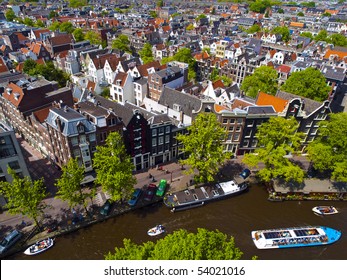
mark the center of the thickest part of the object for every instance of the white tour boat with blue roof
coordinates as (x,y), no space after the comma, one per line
(295,237)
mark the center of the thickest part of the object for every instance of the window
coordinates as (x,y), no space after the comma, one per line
(236,137)
(154,141)
(238,128)
(225,120)
(14,165)
(239,121)
(83,139)
(232,121)
(85,153)
(80,128)
(167,129)
(92,137)
(154,132)
(231,128)
(161,130)
(76,153)
(254,143)
(167,138)
(161,140)
(245,143)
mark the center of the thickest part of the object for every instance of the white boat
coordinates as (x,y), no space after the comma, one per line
(295,237)
(159,229)
(39,247)
(324,210)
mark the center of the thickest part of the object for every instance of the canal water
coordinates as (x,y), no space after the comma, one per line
(236,216)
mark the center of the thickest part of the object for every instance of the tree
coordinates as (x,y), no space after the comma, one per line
(114,168)
(146,53)
(263,79)
(69,185)
(322,36)
(78,3)
(190,27)
(203,146)
(29,65)
(277,139)
(40,23)
(78,35)
(307,35)
(253,29)
(338,40)
(160,3)
(214,75)
(181,245)
(24,196)
(329,151)
(10,15)
(226,80)
(301,14)
(28,21)
(309,83)
(284,31)
(121,43)
(53,14)
(105,93)
(93,37)
(66,27)
(197,19)
(54,26)
(153,14)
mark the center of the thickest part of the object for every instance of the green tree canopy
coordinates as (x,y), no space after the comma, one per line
(253,29)
(146,53)
(78,3)
(181,245)
(153,14)
(204,148)
(66,27)
(28,21)
(10,15)
(259,6)
(277,139)
(197,19)
(54,26)
(53,14)
(121,43)
(114,168)
(214,75)
(307,35)
(93,37)
(78,35)
(284,31)
(263,79)
(160,3)
(310,4)
(322,36)
(24,196)
(338,40)
(309,83)
(69,185)
(40,23)
(329,151)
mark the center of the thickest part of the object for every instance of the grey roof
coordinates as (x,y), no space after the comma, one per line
(310,105)
(188,103)
(337,74)
(70,119)
(141,81)
(261,110)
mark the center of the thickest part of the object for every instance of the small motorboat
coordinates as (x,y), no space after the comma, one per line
(159,229)
(324,210)
(39,247)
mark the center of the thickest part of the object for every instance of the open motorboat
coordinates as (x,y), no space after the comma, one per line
(39,247)
(324,210)
(159,229)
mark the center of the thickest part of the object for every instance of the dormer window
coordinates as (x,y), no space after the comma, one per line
(81,129)
(9,91)
(177,107)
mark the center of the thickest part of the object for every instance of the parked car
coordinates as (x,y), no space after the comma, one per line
(106,208)
(150,191)
(135,197)
(245,173)
(9,240)
(161,188)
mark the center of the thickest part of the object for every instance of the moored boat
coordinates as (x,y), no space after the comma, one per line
(191,198)
(159,229)
(39,247)
(324,210)
(295,237)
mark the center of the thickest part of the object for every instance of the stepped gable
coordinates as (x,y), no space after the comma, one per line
(188,103)
(310,105)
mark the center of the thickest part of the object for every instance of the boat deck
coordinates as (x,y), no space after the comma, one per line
(198,194)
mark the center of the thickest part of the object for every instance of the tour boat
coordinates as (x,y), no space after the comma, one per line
(39,247)
(159,229)
(324,210)
(295,237)
(191,198)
